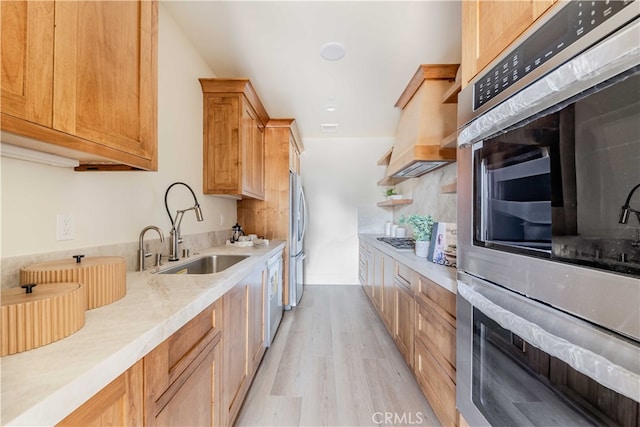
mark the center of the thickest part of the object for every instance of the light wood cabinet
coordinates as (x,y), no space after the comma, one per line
(387,306)
(257,296)
(120,403)
(420,315)
(378,277)
(365,269)
(243,341)
(489,27)
(435,347)
(234,141)
(235,347)
(295,149)
(59,86)
(270,217)
(404,308)
(182,374)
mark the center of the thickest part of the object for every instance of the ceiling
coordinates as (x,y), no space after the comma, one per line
(277,46)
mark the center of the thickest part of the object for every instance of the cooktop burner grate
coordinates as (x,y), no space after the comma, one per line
(400,243)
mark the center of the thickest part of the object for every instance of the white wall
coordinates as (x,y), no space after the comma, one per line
(113,207)
(339,177)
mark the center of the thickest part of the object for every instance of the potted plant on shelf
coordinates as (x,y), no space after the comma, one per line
(392,195)
(422,226)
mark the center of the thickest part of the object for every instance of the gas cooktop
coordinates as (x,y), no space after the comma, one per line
(399,243)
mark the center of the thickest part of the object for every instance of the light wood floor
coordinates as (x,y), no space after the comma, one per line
(333,363)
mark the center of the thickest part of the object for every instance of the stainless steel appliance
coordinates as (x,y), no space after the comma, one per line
(273,302)
(549,152)
(297,229)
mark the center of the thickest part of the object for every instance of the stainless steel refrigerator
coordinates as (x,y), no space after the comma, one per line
(297,228)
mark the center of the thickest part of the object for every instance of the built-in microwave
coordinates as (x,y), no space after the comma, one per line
(548,221)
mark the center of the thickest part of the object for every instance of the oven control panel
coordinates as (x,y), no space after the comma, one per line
(571,23)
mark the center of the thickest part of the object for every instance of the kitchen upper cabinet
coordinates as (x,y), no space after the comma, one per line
(120,403)
(27,60)
(234,141)
(270,217)
(182,374)
(80,80)
(488,27)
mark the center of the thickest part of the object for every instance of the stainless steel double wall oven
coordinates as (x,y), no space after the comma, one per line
(548,226)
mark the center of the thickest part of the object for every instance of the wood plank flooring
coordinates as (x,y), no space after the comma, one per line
(333,363)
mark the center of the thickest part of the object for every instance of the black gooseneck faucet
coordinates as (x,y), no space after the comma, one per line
(625,210)
(175,238)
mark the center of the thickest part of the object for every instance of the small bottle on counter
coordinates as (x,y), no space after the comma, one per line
(387,228)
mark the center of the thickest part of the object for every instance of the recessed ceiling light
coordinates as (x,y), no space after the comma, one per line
(330,108)
(329,127)
(333,51)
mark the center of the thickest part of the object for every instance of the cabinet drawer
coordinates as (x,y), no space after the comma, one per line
(438,336)
(437,386)
(188,341)
(444,301)
(403,276)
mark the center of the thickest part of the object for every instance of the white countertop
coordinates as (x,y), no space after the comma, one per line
(44,385)
(441,275)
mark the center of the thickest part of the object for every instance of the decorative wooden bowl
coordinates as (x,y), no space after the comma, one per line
(51,312)
(104,277)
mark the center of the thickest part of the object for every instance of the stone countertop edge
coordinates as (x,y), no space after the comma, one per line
(441,275)
(44,385)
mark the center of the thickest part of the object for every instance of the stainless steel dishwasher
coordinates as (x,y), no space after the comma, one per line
(273,302)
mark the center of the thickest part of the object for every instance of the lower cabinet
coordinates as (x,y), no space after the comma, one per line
(182,375)
(435,348)
(387,304)
(403,330)
(420,316)
(243,341)
(199,376)
(120,403)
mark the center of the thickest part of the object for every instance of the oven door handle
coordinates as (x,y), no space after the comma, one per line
(593,365)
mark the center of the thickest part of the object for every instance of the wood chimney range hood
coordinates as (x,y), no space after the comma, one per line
(428,118)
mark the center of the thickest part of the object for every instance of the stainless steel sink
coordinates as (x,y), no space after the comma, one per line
(206,265)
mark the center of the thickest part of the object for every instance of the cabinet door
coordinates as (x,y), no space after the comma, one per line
(252,148)
(488,27)
(192,402)
(378,270)
(387,310)
(120,403)
(404,322)
(182,374)
(235,348)
(436,385)
(221,142)
(257,288)
(105,73)
(27,60)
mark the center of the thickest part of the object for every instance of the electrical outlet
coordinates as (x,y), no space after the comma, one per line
(64,227)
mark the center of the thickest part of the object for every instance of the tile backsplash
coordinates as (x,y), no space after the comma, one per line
(11,265)
(427,196)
